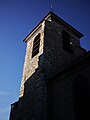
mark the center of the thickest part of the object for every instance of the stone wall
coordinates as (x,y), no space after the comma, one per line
(31,64)
(55,58)
(36,97)
(69,94)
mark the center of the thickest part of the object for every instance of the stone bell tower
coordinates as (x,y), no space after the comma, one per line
(51,47)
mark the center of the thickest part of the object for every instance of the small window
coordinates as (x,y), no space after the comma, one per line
(36,45)
(67,44)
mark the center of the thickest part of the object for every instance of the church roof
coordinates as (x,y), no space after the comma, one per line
(56,18)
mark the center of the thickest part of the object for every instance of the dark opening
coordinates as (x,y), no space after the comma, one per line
(67,44)
(36,45)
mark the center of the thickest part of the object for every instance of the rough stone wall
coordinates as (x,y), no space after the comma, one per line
(70,94)
(31,64)
(33,102)
(55,57)
(33,93)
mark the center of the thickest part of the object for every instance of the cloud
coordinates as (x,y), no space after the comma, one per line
(4,93)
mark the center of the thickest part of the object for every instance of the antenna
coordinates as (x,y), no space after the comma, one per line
(51,8)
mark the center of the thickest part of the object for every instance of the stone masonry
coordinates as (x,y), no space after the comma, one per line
(37,87)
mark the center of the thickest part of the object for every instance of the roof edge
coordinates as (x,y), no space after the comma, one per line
(68,25)
(48,15)
(53,15)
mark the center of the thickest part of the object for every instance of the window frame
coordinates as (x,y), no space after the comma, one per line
(36,45)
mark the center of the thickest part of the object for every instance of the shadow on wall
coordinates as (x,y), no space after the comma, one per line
(33,103)
(81,95)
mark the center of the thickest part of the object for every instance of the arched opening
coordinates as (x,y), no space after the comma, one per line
(67,44)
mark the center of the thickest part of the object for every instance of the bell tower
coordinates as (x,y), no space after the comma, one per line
(51,47)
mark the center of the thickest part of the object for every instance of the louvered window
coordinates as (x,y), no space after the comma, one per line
(36,45)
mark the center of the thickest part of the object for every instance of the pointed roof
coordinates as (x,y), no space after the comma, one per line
(56,18)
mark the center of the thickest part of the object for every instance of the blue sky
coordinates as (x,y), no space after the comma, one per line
(17,19)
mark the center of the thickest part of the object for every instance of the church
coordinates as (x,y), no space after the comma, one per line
(56,74)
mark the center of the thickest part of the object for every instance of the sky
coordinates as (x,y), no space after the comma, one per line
(17,19)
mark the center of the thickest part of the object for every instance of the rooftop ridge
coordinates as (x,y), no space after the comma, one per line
(57,18)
